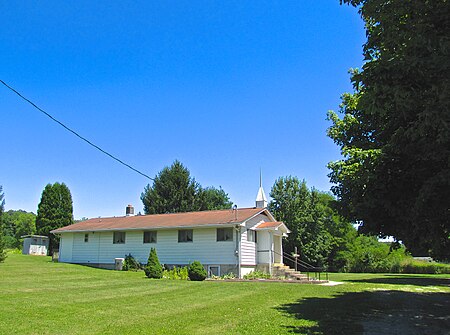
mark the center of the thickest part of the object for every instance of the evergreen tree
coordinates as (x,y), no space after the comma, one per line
(196,271)
(211,198)
(2,243)
(394,135)
(153,269)
(55,210)
(175,191)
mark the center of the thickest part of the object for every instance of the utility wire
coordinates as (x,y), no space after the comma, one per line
(75,133)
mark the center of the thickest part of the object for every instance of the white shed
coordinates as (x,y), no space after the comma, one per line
(35,245)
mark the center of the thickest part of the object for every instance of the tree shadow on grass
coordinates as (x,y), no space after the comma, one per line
(372,312)
(405,280)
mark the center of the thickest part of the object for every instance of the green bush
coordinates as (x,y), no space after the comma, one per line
(196,271)
(421,267)
(14,251)
(176,273)
(153,269)
(230,275)
(130,264)
(367,254)
(257,275)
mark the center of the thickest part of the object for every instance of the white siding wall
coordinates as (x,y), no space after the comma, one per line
(248,250)
(65,248)
(204,248)
(249,255)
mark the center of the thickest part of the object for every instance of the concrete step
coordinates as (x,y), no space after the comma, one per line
(282,270)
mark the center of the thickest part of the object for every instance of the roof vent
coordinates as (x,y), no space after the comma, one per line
(129,211)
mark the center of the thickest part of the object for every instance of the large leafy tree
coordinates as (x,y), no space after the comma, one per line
(394,178)
(2,208)
(316,229)
(55,210)
(17,224)
(174,191)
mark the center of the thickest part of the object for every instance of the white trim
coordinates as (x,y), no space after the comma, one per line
(214,266)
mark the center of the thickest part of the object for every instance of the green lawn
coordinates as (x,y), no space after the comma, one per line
(41,297)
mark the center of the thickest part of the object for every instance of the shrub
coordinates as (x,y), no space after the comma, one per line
(196,271)
(153,269)
(14,251)
(421,267)
(230,275)
(176,273)
(131,264)
(257,275)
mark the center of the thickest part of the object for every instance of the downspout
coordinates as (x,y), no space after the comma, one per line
(98,251)
(271,252)
(238,241)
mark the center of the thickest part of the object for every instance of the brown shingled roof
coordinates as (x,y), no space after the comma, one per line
(269,224)
(189,219)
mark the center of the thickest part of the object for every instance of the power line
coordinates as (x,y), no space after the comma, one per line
(75,133)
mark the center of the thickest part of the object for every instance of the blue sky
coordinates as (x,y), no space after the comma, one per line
(226,87)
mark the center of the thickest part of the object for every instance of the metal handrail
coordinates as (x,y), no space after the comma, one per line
(309,268)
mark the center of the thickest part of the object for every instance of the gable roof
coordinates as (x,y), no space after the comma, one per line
(156,221)
(270,224)
(277,225)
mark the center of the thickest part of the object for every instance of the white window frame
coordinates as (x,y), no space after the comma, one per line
(150,232)
(86,238)
(224,234)
(213,266)
(252,237)
(184,239)
(117,240)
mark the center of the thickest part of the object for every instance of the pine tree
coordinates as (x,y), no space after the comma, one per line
(175,191)
(153,268)
(55,210)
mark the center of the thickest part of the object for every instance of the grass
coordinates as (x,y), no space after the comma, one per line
(41,297)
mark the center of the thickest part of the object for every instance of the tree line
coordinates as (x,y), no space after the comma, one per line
(321,234)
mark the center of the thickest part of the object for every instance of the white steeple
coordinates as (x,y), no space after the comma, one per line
(261,200)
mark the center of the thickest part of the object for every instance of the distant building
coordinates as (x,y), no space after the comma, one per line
(35,245)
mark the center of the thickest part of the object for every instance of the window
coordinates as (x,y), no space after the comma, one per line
(119,237)
(185,235)
(149,236)
(224,234)
(213,270)
(86,238)
(251,235)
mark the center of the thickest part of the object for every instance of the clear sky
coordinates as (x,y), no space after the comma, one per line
(226,87)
